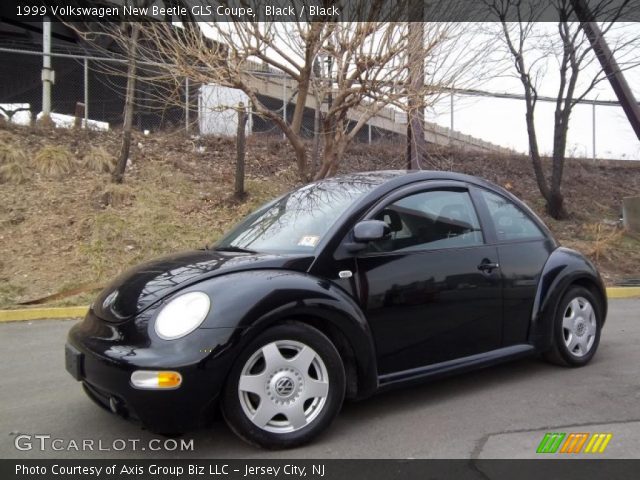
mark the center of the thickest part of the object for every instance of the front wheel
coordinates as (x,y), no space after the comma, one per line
(576,329)
(285,388)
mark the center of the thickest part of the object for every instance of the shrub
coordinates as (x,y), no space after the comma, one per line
(11,154)
(99,160)
(54,161)
(14,172)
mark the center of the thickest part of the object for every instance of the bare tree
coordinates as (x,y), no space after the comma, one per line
(121,42)
(130,31)
(350,71)
(416,144)
(531,47)
(368,71)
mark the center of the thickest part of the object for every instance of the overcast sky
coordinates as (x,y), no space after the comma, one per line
(502,121)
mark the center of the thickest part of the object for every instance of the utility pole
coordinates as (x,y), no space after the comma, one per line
(48,75)
(609,65)
(416,144)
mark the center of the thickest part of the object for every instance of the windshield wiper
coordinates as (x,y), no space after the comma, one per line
(234,249)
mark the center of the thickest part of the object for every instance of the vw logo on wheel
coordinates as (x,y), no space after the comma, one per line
(284,387)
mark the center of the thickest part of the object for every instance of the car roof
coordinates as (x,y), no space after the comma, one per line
(400,177)
(386,181)
(389,180)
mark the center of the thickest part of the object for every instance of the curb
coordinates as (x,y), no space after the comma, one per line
(623,292)
(26,314)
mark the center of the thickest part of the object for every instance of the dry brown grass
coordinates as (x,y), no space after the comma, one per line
(58,235)
(46,122)
(97,159)
(10,153)
(605,239)
(14,172)
(117,195)
(54,161)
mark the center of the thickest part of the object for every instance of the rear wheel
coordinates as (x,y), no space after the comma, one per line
(577,325)
(285,388)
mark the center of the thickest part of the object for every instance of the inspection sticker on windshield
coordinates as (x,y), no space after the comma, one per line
(309,241)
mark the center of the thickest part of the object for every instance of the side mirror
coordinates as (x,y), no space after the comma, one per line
(370,230)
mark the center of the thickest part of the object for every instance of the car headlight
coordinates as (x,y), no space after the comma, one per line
(182,315)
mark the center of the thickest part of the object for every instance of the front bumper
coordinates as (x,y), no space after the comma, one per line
(103,356)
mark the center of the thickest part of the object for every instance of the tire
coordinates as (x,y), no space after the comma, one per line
(576,328)
(285,388)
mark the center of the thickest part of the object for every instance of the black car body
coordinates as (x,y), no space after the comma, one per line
(462,288)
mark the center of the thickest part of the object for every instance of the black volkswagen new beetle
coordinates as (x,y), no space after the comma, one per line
(339,289)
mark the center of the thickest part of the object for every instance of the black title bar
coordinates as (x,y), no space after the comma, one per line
(308,10)
(567,469)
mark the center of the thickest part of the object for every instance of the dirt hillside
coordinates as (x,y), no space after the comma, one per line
(57,233)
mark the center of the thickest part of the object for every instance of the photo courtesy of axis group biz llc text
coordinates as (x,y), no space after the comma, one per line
(319,239)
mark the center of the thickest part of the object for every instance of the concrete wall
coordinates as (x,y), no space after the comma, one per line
(631,213)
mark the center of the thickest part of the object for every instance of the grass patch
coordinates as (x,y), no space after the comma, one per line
(54,161)
(117,195)
(11,154)
(60,233)
(159,221)
(9,293)
(14,172)
(604,240)
(97,159)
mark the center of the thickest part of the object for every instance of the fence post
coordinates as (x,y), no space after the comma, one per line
(284,103)
(451,121)
(284,98)
(47,72)
(86,92)
(593,129)
(369,125)
(240,150)
(79,115)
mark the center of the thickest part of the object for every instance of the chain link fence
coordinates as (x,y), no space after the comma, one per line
(90,87)
(93,88)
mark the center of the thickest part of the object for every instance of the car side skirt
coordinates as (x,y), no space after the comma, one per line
(452,367)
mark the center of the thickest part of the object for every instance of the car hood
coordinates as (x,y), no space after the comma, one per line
(140,287)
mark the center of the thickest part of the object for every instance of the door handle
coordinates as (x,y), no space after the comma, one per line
(488,266)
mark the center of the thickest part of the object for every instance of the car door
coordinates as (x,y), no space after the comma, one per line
(431,290)
(523,246)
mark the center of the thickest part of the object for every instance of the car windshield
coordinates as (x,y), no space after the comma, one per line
(297,221)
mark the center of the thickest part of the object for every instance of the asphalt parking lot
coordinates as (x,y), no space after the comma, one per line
(501,412)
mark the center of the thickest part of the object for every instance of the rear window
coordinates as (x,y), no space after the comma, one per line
(510,222)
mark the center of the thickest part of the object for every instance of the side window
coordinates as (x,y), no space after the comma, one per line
(430,220)
(510,222)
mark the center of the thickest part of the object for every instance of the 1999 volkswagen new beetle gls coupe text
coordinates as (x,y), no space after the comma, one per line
(339,289)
